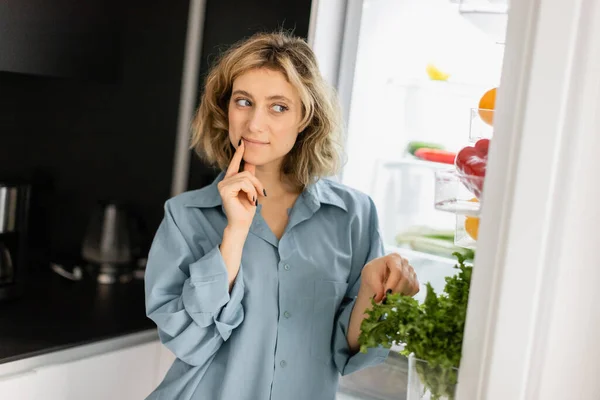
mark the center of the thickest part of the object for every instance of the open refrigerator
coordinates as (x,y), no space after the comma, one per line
(452,74)
(421,70)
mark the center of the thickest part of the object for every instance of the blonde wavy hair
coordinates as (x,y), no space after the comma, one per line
(317,151)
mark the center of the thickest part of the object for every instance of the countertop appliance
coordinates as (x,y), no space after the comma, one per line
(111,244)
(14,212)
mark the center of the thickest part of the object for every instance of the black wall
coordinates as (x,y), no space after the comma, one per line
(82,140)
(228,21)
(61,38)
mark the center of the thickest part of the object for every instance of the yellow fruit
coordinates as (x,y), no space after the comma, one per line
(472,227)
(472,223)
(435,74)
(487,105)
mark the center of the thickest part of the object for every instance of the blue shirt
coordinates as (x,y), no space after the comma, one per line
(281,332)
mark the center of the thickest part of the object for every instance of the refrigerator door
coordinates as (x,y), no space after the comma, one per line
(333,34)
(533,326)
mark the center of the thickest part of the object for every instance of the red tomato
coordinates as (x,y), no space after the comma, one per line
(471,161)
(482,147)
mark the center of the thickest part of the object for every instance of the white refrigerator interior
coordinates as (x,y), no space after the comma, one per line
(394,101)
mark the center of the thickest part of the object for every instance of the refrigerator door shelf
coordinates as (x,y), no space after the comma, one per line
(488,16)
(458,193)
(478,127)
(467,230)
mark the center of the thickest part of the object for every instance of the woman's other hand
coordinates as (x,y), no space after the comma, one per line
(389,274)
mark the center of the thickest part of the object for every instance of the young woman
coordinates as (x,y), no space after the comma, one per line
(259,282)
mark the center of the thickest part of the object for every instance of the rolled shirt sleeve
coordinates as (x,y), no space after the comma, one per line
(189,298)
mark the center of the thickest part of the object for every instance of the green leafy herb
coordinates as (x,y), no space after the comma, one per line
(432,331)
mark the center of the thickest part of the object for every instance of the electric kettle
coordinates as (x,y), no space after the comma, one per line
(109,246)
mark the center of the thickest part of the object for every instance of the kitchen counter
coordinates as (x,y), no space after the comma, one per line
(58,321)
(56,314)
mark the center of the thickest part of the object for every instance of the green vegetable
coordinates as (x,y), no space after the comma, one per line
(440,247)
(433,331)
(413,146)
(432,241)
(424,231)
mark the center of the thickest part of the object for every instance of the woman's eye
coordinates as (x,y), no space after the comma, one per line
(278,108)
(242,102)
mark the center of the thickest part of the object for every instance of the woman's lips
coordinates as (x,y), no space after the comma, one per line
(254,142)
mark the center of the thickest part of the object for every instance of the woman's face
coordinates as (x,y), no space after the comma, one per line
(265,111)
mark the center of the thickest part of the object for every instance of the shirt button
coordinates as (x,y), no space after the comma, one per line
(283,363)
(286,267)
(287,314)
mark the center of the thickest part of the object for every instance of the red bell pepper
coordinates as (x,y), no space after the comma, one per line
(435,155)
(471,162)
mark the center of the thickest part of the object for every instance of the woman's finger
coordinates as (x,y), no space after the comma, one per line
(416,288)
(412,284)
(407,284)
(247,187)
(394,279)
(375,284)
(395,272)
(415,281)
(252,181)
(260,189)
(236,160)
(233,186)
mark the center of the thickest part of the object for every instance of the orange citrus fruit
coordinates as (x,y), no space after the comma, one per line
(472,223)
(472,227)
(487,105)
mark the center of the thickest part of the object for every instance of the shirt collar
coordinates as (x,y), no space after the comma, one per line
(314,194)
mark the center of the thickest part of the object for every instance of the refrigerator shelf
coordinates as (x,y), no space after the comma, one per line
(458,193)
(478,127)
(489,16)
(413,162)
(420,257)
(448,87)
(483,6)
(467,231)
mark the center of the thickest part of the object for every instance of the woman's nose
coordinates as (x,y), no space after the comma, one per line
(258,121)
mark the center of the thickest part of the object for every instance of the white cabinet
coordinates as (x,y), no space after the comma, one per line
(22,386)
(123,374)
(126,374)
